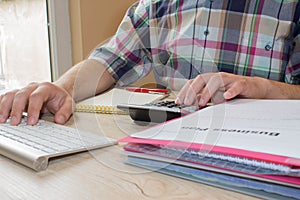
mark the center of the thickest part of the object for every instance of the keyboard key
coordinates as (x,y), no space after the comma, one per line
(46,140)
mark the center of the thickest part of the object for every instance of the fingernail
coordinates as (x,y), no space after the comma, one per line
(201,101)
(31,120)
(187,101)
(13,119)
(227,95)
(2,118)
(61,119)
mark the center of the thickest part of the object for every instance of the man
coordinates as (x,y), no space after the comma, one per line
(243,48)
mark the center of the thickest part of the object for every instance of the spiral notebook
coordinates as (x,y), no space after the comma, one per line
(107,102)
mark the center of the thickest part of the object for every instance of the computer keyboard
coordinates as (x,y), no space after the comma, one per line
(32,146)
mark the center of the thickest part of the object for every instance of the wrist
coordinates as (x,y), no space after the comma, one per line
(265,86)
(65,85)
(280,90)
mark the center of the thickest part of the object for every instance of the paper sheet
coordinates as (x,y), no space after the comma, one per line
(117,96)
(258,126)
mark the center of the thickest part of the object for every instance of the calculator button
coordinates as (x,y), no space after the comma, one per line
(157,111)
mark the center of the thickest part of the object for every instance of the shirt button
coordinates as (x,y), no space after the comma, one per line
(268,47)
(206,32)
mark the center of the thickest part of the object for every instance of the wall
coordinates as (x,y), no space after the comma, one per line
(92,22)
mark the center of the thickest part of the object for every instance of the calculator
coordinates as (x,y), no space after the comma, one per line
(157,112)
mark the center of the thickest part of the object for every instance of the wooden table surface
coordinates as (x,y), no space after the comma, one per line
(100,174)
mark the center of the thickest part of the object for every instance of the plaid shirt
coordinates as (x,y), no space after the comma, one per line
(184,38)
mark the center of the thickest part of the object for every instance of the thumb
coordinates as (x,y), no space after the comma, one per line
(235,90)
(65,112)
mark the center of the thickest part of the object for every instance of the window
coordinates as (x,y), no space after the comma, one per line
(31,41)
(24,46)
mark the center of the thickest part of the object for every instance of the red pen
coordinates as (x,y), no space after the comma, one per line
(147,90)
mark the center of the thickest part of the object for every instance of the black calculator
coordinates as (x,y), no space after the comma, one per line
(157,112)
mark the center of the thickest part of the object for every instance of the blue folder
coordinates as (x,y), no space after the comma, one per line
(243,185)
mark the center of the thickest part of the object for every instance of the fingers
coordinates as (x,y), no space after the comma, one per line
(6,101)
(65,111)
(216,87)
(225,86)
(236,89)
(36,101)
(36,98)
(14,103)
(207,83)
(20,103)
(188,94)
(48,97)
(182,94)
(196,86)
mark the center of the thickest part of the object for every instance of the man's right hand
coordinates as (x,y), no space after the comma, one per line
(36,98)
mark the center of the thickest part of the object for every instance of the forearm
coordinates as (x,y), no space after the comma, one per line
(85,79)
(279,90)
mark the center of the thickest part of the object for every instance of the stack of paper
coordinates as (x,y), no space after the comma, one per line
(250,146)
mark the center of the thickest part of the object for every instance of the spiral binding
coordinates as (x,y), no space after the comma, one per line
(240,160)
(99,109)
(216,159)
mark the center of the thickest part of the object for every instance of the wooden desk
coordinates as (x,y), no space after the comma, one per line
(100,174)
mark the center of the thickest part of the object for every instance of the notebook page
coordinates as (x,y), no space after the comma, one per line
(108,101)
